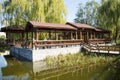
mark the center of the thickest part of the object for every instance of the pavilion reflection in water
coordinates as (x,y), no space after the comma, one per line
(56,39)
(37,71)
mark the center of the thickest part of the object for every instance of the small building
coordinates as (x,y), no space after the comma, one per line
(38,40)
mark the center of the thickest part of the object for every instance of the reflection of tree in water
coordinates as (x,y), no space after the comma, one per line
(19,70)
(112,72)
(70,73)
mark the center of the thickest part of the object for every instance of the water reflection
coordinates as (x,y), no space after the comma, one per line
(18,70)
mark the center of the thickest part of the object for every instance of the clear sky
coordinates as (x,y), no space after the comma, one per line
(72,7)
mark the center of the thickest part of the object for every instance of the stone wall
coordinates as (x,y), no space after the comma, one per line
(21,53)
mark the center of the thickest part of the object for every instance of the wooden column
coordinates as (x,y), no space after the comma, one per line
(7,36)
(102,35)
(26,35)
(71,35)
(49,34)
(87,35)
(94,35)
(22,36)
(64,37)
(91,34)
(76,35)
(80,34)
(32,39)
(36,35)
(109,35)
(56,35)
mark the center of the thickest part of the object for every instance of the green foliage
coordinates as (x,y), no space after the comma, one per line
(78,59)
(2,38)
(4,47)
(88,14)
(17,12)
(109,15)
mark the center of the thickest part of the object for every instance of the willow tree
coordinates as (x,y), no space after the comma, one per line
(88,14)
(19,11)
(16,11)
(110,16)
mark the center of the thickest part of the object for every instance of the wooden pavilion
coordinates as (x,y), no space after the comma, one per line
(57,39)
(90,34)
(57,34)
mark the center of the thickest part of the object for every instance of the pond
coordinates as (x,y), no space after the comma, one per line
(21,70)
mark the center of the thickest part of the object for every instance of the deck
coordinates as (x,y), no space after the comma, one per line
(102,48)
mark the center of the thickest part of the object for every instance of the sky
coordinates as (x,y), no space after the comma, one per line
(72,7)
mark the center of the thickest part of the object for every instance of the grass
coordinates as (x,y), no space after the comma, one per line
(78,59)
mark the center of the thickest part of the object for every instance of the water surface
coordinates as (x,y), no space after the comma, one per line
(21,70)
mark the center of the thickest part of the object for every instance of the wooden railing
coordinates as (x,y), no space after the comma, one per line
(99,41)
(102,48)
(53,43)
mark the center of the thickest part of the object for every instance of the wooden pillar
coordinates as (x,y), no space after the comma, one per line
(76,35)
(64,37)
(7,37)
(94,35)
(49,34)
(91,34)
(80,34)
(71,35)
(22,36)
(109,35)
(56,35)
(87,35)
(102,35)
(36,35)
(32,38)
(26,35)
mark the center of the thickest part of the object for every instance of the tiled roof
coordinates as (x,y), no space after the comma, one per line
(48,26)
(80,26)
(85,26)
(12,28)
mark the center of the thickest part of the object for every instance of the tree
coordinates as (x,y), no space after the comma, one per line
(17,12)
(88,14)
(109,13)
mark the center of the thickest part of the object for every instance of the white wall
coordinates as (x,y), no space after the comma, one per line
(41,54)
